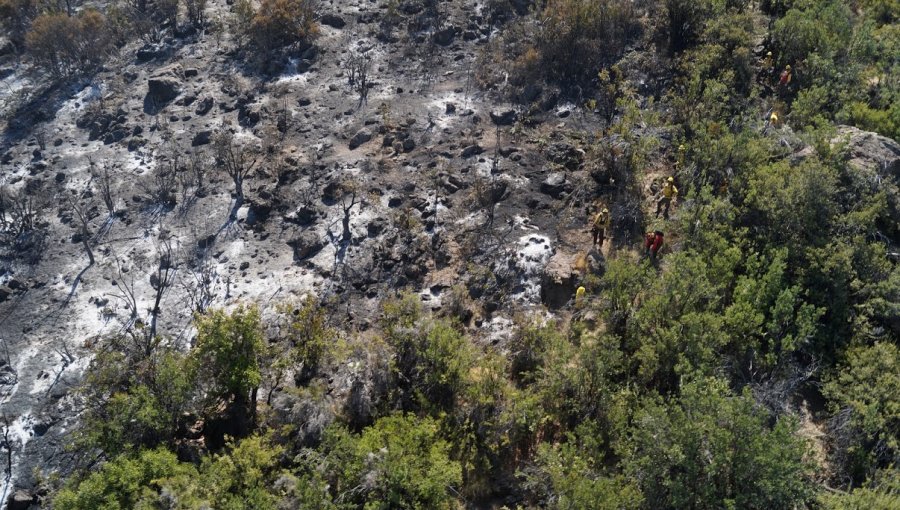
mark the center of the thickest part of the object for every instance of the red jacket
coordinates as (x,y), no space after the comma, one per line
(654,241)
(785,77)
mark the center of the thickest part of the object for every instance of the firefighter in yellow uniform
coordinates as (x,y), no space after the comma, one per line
(600,226)
(669,193)
(579,297)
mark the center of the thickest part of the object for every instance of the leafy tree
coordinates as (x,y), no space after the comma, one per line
(866,388)
(399,462)
(431,361)
(884,495)
(227,354)
(711,449)
(571,475)
(125,483)
(134,405)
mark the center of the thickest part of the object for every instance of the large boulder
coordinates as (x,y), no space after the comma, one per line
(870,151)
(332,20)
(306,244)
(504,117)
(20,500)
(362,136)
(559,280)
(556,185)
(162,87)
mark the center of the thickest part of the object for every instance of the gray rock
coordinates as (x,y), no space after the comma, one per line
(20,500)
(870,151)
(566,155)
(306,244)
(472,150)
(332,20)
(558,281)
(445,37)
(362,136)
(164,88)
(555,185)
(504,118)
(204,106)
(201,138)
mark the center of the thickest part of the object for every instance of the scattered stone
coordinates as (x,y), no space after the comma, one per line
(191,72)
(201,138)
(204,106)
(332,20)
(555,185)
(451,108)
(504,118)
(472,150)
(362,136)
(306,244)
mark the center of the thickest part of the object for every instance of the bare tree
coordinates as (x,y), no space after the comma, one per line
(238,161)
(201,285)
(348,202)
(358,66)
(124,283)
(7,445)
(161,281)
(103,181)
(81,209)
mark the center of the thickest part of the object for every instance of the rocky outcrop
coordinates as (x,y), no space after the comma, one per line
(870,151)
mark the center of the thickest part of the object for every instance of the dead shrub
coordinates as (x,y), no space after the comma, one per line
(67,46)
(280,23)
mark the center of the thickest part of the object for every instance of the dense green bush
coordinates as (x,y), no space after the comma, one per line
(399,462)
(711,449)
(865,393)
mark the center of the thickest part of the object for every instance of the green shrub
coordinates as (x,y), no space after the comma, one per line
(125,483)
(712,449)
(868,386)
(399,462)
(227,354)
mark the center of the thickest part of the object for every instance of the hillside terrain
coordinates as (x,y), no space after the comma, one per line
(344,254)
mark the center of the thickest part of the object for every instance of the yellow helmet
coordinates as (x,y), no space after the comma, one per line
(681,148)
(671,179)
(769,54)
(787,67)
(605,210)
